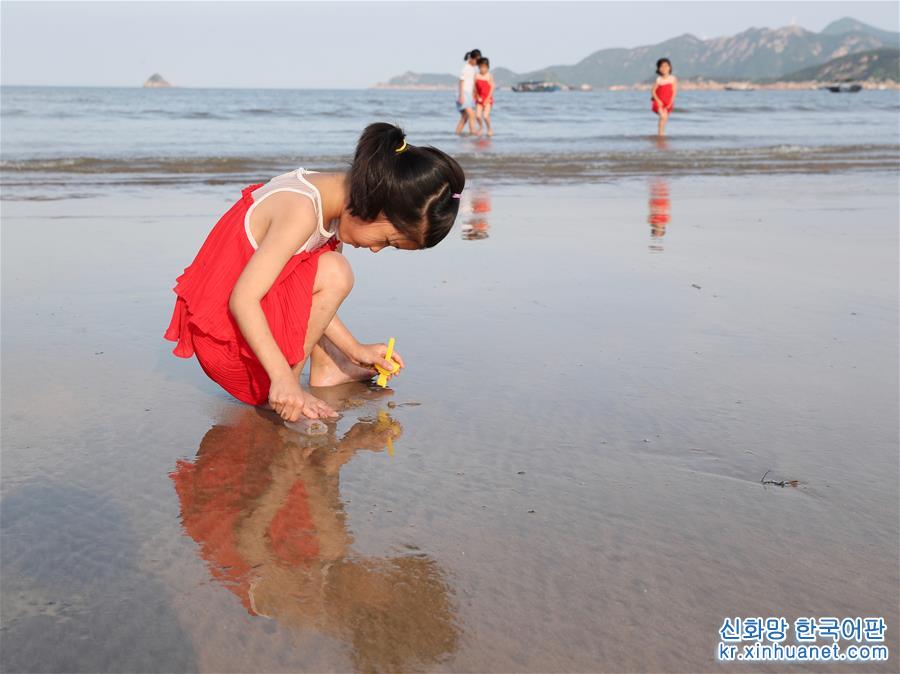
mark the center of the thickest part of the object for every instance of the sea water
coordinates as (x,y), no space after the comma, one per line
(63,141)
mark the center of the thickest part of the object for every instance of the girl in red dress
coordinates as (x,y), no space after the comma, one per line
(663,93)
(261,297)
(484,95)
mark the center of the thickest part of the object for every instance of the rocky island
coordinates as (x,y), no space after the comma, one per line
(156,81)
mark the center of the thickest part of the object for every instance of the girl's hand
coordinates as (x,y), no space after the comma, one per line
(368,355)
(291,402)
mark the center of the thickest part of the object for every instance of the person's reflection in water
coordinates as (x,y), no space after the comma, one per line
(659,203)
(476,226)
(263,503)
(660,208)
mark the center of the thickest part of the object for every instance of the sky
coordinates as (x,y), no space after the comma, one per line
(355,44)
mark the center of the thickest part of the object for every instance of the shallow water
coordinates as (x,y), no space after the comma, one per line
(598,378)
(61,141)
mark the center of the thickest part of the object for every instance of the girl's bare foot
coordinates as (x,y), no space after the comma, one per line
(330,367)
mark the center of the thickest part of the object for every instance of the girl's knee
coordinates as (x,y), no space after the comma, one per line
(334,273)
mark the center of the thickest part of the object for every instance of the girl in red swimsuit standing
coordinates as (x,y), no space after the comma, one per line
(484,95)
(663,93)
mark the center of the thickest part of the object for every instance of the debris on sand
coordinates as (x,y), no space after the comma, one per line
(778,483)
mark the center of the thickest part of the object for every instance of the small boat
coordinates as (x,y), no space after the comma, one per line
(536,86)
(843,88)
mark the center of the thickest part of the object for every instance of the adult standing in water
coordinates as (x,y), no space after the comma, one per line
(465,97)
(663,93)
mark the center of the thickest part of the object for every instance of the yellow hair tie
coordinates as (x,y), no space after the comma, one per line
(402,148)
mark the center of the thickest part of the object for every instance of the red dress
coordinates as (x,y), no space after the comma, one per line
(482,89)
(665,93)
(202,324)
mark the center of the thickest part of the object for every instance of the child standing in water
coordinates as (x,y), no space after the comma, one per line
(663,93)
(261,297)
(484,95)
(465,102)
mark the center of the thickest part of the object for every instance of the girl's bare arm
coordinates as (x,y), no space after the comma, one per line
(293,220)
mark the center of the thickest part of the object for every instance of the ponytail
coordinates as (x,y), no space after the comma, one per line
(376,157)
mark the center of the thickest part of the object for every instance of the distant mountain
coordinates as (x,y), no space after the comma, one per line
(423,80)
(756,53)
(848,25)
(881,65)
(411,80)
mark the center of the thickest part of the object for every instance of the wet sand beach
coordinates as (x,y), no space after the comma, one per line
(599,376)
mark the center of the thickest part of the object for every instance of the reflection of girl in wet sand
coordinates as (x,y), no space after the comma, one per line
(476,226)
(663,93)
(265,509)
(660,207)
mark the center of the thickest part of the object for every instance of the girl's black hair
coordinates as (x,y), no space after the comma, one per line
(413,186)
(474,54)
(659,64)
(484,60)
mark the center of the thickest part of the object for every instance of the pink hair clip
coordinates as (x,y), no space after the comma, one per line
(456,196)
